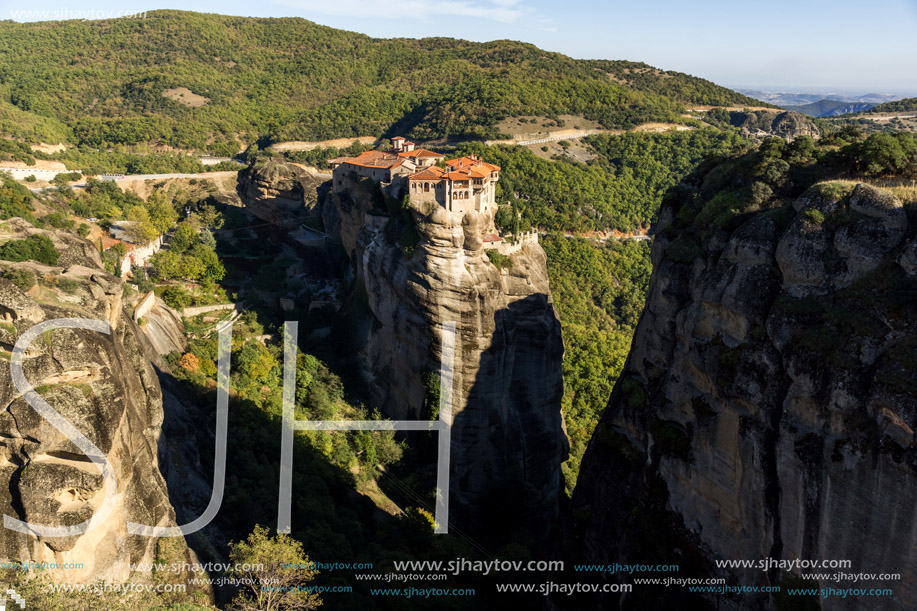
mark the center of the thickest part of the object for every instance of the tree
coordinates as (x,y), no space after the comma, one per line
(141,279)
(161,212)
(183,238)
(141,229)
(207,217)
(884,154)
(205,238)
(274,571)
(166,264)
(189,362)
(211,268)
(176,298)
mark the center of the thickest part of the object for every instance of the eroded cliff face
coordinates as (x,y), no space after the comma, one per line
(107,388)
(785,124)
(768,406)
(507,425)
(279,192)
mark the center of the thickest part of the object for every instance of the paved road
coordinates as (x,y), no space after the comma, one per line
(167,176)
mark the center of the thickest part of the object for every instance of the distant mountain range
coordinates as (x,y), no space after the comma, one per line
(822,104)
(830,108)
(800,99)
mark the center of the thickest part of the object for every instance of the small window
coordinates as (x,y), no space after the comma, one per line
(426,187)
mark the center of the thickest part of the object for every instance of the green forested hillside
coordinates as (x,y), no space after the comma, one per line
(621,189)
(101,83)
(905,105)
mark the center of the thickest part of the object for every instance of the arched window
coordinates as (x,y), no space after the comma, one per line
(426,187)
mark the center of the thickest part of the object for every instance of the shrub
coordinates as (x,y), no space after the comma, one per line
(62,179)
(814,215)
(35,247)
(189,363)
(499,260)
(176,297)
(56,220)
(274,570)
(30,178)
(68,285)
(23,278)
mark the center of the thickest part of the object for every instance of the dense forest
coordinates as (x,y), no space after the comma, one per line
(905,105)
(219,83)
(621,189)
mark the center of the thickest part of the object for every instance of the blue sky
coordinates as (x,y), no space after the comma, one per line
(802,45)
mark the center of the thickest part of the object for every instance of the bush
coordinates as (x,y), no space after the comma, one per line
(498,259)
(68,285)
(57,220)
(814,215)
(142,279)
(62,179)
(30,178)
(176,297)
(15,200)
(274,570)
(35,247)
(23,278)
(83,230)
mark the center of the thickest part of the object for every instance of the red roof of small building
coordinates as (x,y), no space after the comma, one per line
(431,173)
(110,242)
(472,163)
(492,237)
(421,153)
(372,159)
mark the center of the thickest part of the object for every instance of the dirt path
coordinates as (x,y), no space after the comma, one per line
(299,145)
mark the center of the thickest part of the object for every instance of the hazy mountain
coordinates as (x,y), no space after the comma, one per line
(788,99)
(830,108)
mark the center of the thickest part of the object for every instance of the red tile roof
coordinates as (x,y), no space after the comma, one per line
(420,153)
(492,237)
(372,159)
(109,242)
(468,163)
(431,173)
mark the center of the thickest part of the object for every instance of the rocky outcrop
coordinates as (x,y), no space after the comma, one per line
(767,408)
(507,429)
(785,124)
(105,385)
(279,192)
(162,325)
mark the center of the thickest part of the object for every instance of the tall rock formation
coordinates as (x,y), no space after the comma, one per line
(768,406)
(508,430)
(107,388)
(785,124)
(279,192)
